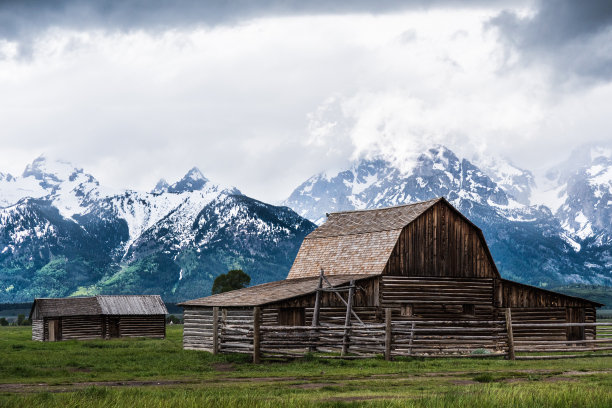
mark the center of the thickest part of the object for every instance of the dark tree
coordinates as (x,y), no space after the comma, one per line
(234,279)
(3,321)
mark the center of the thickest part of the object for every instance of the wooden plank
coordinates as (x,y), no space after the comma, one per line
(511,354)
(388,334)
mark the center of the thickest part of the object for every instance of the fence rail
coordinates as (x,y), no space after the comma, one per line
(433,338)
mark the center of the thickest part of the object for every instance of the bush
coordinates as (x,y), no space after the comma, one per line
(3,321)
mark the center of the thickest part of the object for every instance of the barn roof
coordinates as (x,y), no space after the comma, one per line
(101,304)
(355,241)
(272,292)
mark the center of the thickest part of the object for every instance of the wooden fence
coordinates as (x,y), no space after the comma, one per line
(433,338)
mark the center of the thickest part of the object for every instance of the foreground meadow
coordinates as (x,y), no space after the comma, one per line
(158,373)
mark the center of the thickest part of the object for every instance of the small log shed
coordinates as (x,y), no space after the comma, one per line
(98,317)
(424,261)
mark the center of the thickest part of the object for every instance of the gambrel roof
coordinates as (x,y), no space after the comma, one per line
(355,242)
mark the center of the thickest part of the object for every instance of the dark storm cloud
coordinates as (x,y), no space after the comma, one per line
(20,19)
(573,36)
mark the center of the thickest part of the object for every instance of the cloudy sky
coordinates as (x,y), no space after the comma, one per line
(262,95)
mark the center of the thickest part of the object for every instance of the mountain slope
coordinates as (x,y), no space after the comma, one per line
(76,237)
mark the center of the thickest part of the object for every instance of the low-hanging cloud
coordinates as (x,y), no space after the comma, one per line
(574,38)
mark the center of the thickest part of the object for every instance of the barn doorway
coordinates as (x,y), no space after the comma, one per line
(113,327)
(54,334)
(575,315)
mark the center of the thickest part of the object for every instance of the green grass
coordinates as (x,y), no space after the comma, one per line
(60,375)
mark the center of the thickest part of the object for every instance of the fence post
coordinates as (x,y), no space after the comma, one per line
(511,355)
(215,329)
(347,319)
(387,334)
(256,322)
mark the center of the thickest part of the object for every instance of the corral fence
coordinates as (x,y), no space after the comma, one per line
(417,338)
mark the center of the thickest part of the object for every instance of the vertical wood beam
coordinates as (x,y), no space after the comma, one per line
(511,355)
(215,331)
(256,322)
(387,334)
(317,307)
(347,319)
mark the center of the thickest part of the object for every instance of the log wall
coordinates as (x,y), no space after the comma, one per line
(441,242)
(153,326)
(438,298)
(81,327)
(38,330)
(198,325)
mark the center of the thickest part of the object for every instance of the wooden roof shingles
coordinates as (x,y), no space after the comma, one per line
(100,305)
(132,305)
(271,292)
(355,242)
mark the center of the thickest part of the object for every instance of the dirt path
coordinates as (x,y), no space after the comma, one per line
(305,382)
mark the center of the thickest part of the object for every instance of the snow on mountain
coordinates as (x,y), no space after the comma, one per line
(582,186)
(161,187)
(375,183)
(517,182)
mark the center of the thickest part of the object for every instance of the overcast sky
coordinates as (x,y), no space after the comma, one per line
(262,95)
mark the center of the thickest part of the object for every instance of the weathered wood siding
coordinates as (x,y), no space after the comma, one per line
(438,298)
(197,329)
(538,315)
(80,327)
(38,330)
(440,243)
(198,325)
(142,326)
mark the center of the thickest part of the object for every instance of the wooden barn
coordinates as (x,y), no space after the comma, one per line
(98,317)
(424,261)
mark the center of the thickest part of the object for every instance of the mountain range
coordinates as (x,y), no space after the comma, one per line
(62,234)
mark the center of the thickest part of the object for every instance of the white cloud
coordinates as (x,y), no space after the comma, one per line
(266,103)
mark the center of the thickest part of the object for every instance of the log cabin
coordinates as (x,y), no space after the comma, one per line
(98,317)
(424,261)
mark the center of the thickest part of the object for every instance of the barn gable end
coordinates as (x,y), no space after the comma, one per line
(441,242)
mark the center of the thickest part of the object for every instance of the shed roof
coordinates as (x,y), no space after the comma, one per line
(101,304)
(272,292)
(355,241)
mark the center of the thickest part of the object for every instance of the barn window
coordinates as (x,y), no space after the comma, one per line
(469,310)
(407,309)
(292,316)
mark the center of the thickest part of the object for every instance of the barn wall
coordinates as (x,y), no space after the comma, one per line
(538,315)
(142,326)
(440,243)
(438,298)
(38,330)
(198,324)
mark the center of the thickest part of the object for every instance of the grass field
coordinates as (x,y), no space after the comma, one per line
(158,373)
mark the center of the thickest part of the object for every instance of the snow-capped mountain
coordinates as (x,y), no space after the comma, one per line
(61,233)
(531,243)
(583,188)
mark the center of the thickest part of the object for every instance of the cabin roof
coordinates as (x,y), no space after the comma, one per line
(100,305)
(272,292)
